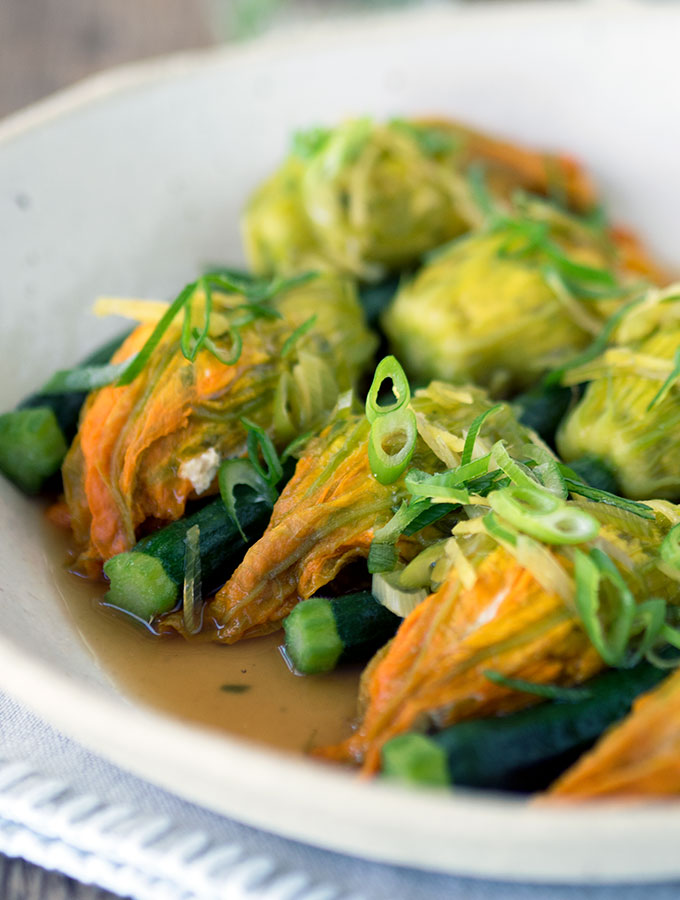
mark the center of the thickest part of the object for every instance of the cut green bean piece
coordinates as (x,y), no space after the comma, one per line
(32,447)
(415,759)
(312,639)
(322,632)
(139,585)
(222,547)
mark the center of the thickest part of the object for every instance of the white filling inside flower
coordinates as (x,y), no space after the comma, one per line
(201,470)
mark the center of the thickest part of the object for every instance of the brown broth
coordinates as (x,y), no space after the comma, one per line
(245,689)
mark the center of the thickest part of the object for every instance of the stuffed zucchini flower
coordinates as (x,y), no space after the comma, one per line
(629,416)
(367,198)
(334,508)
(147,444)
(540,589)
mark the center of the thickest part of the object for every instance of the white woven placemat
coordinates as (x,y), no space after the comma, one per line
(64,808)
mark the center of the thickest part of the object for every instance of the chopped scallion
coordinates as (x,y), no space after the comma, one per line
(605,604)
(668,383)
(473,432)
(388,369)
(227,359)
(192,339)
(537,512)
(260,442)
(549,691)
(84,378)
(234,472)
(497,531)
(295,335)
(548,470)
(191,595)
(576,486)
(518,473)
(257,293)
(435,487)
(135,366)
(382,556)
(391,444)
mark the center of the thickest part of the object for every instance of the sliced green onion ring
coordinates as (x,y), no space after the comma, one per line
(548,470)
(516,472)
(382,556)
(391,444)
(234,472)
(595,573)
(542,515)
(497,531)
(472,434)
(388,369)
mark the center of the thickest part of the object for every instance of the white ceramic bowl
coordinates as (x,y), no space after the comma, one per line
(132,180)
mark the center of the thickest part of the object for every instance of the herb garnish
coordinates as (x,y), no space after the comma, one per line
(548,691)
(295,335)
(668,383)
(257,293)
(235,688)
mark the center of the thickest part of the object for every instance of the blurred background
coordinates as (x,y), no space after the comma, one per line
(48,44)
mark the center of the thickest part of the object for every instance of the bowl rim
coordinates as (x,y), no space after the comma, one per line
(297,781)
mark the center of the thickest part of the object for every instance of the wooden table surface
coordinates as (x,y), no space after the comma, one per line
(48,44)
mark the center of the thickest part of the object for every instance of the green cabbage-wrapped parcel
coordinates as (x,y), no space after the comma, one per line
(365,198)
(505,304)
(629,416)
